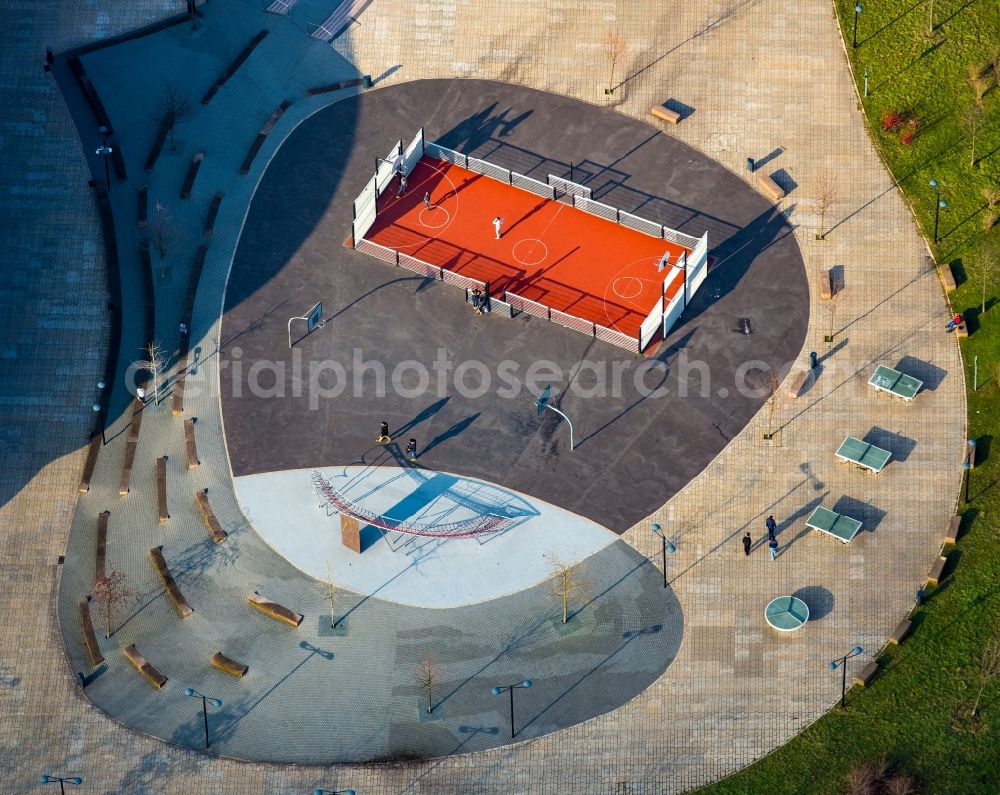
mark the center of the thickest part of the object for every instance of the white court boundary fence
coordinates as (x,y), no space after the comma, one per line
(563,187)
(694,261)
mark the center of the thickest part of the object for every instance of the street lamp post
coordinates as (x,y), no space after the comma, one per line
(939,204)
(857,10)
(105,150)
(99,408)
(842,663)
(62,781)
(668,546)
(204,706)
(510,689)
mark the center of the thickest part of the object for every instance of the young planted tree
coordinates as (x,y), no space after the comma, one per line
(773,384)
(827,194)
(992,196)
(427,674)
(614,48)
(173,108)
(831,310)
(155,364)
(112,596)
(972,123)
(330,592)
(566,583)
(989,669)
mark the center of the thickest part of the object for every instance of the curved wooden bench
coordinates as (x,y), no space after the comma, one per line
(769,187)
(664,113)
(190,447)
(229,666)
(902,630)
(89,637)
(951,536)
(161,489)
(218,534)
(157,679)
(937,571)
(91,463)
(274,610)
(160,564)
(866,674)
(177,401)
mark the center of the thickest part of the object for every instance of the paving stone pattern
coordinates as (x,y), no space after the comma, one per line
(753,88)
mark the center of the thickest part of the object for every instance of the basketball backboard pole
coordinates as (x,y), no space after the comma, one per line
(313,319)
(545,402)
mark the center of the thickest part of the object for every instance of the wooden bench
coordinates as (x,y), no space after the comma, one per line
(131,443)
(962,330)
(274,610)
(226,665)
(796,383)
(161,489)
(866,674)
(190,446)
(937,571)
(93,449)
(192,174)
(102,545)
(160,564)
(89,637)
(825,285)
(157,679)
(947,277)
(664,113)
(218,534)
(769,187)
(901,631)
(953,528)
(177,401)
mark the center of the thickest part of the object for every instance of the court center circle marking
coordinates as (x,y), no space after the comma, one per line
(434,211)
(531,256)
(627,282)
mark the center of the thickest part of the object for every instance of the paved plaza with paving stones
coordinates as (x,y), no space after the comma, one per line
(694,685)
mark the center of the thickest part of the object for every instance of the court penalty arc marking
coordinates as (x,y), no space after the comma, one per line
(613,281)
(453,192)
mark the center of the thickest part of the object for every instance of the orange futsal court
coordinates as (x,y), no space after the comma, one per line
(548,252)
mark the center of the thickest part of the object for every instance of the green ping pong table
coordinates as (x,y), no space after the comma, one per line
(841,527)
(867,456)
(786,613)
(885,379)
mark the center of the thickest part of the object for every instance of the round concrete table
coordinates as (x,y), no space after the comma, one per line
(786,613)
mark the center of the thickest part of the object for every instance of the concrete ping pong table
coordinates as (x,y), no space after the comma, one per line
(865,455)
(885,379)
(841,527)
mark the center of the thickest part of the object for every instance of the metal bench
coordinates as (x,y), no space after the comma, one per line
(885,379)
(208,515)
(229,666)
(862,454)
(157,679)
(841,527)
(160,564)
(274,610)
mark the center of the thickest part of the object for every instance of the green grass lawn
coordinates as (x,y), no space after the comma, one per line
(914,713)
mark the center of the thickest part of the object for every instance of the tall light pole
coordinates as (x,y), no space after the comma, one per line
(99,408)
(510,689)
(204,706)
(857,10)
(939,204)
(668,546)
(842,663)
(105,150)
(62,789)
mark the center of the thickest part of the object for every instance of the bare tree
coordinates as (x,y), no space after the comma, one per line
(173,108)
(165,236)
(614,48)
(989,669)
(989,265)
(972,123)
(827,194)
(566,583)
(155,364)
(831,309)
(330,592)
(111,595)
(427,674)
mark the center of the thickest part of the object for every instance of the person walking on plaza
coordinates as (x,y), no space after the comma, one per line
(498,225)
(383,434)
(427,200)
(772,527)
(747,543)
(772,546)
(411,449)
